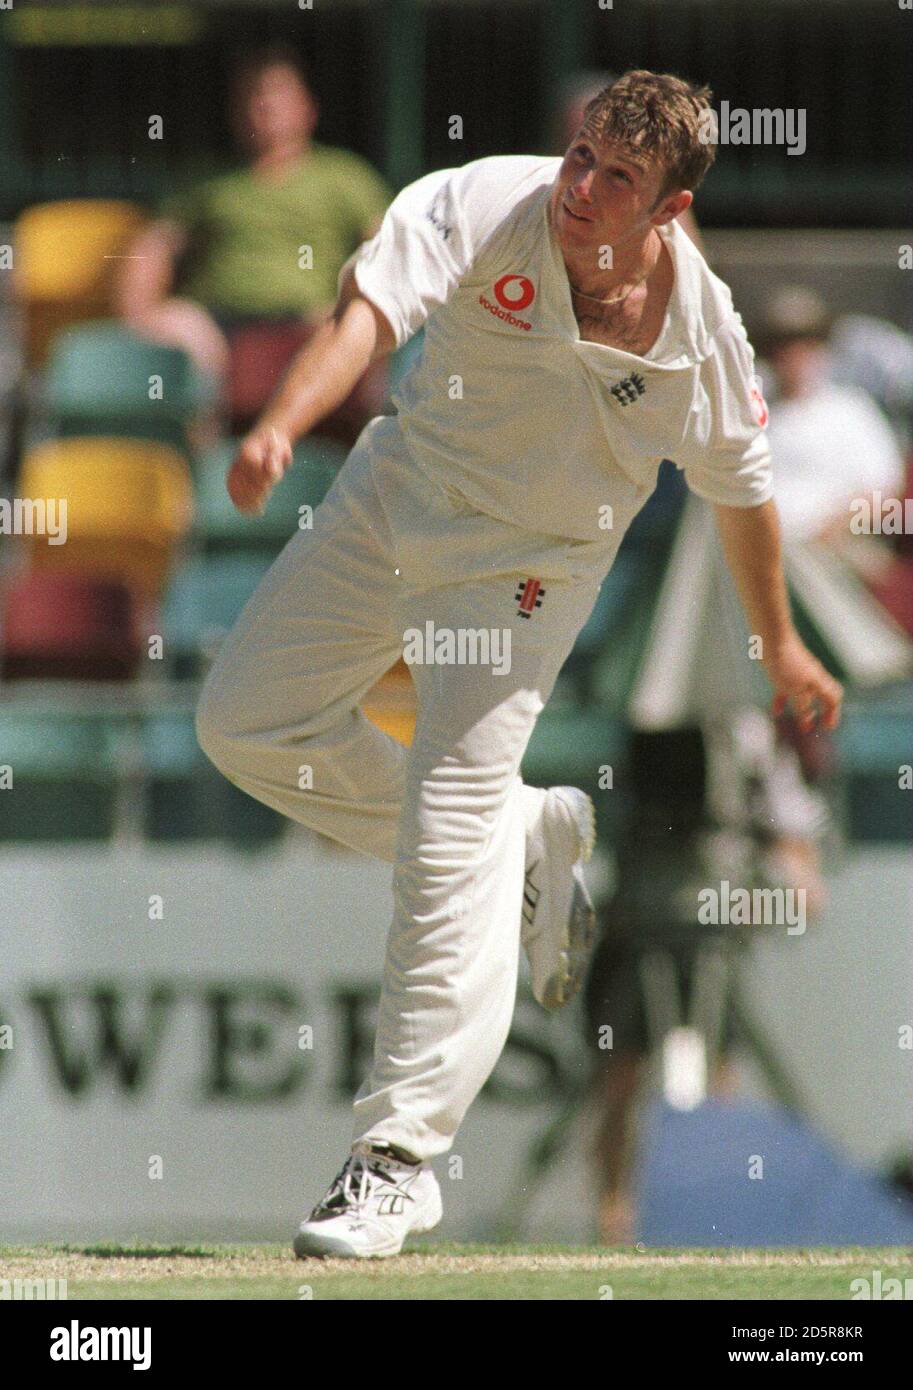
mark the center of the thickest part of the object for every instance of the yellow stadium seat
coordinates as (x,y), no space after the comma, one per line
(390,704)
(66,257)
(129,503)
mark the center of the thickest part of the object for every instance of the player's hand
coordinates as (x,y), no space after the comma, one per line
(262,459)
(801,682)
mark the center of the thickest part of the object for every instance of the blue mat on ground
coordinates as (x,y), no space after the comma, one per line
(696,1187)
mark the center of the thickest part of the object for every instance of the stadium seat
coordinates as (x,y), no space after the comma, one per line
(201,603)
(187,799)
(571,744)
(874,748)
(58,776)
(619,587)
(403,360)
(260,353)
(66,257)
(390,704)
(895,591)
(656,522)
(221,526)
(57,624)
(129,503)
(616,663)
(102,379)
(259,356)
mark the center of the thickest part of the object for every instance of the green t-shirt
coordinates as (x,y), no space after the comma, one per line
(247,232)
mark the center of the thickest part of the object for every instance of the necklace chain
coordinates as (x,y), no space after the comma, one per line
(607,303)
(620,298)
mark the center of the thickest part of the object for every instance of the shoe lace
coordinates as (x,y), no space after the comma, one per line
(352,1186)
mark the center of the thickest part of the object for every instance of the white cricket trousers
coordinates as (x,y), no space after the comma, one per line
(390,550)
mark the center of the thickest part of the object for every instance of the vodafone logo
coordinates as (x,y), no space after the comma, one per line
(515,292)
(758,406)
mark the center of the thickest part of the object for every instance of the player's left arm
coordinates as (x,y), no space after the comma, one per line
(751,543)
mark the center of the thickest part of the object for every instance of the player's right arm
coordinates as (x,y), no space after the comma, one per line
(319,379)
(388,288)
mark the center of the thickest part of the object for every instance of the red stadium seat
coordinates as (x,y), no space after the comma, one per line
(66,626)
(895,591)
(260,354)
(895,588)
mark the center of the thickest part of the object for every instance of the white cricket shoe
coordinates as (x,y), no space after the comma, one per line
(558,929)
(372,1205)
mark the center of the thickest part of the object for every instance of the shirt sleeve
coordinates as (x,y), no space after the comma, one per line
(419,255)
(729,460)
(428,239)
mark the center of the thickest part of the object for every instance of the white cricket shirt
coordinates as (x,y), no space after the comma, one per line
(508,405)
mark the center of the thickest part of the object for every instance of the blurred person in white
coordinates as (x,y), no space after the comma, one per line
(831,443)
(877,356)
(831,446)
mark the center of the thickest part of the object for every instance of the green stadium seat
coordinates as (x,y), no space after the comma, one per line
(186,798)
(201,604)
(876,735)
(618,588)
(621,624)
(98,382)
(222,526)
(64,775)
(401,362)
(570,744)
(574,745)
(874,742)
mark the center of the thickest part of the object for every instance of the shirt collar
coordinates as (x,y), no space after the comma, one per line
(677,345)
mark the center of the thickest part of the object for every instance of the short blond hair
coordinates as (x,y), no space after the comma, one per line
(656,114)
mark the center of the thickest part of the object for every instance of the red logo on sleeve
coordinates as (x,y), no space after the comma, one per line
(758,406)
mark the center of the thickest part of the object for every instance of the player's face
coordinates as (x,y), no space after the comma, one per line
(603,195)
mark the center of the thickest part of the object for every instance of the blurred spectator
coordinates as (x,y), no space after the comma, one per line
(831,444)
(877,357)
(222,263)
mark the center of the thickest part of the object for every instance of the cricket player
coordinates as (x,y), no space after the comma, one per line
(574,337)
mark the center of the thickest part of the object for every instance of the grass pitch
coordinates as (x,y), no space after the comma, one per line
(461,1272)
